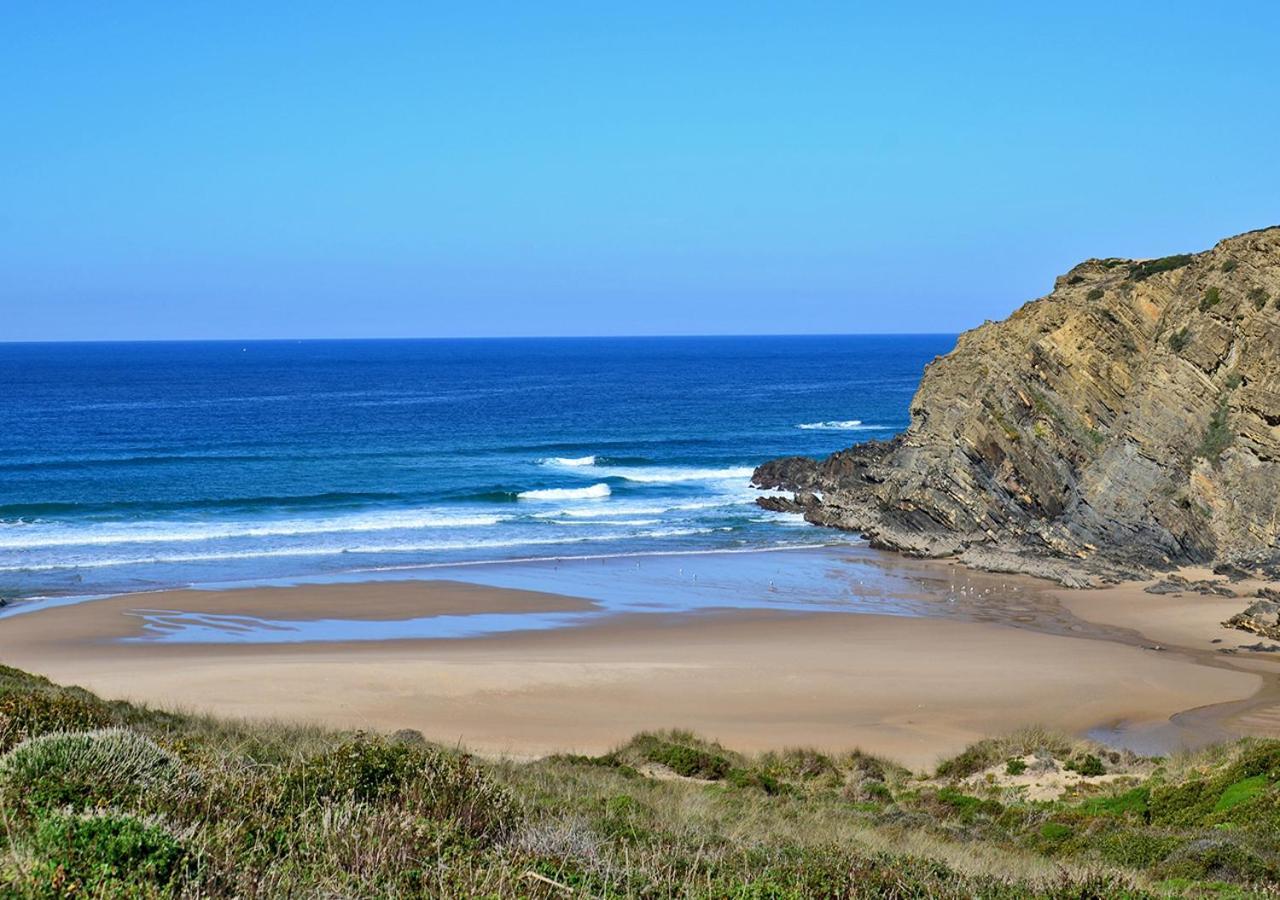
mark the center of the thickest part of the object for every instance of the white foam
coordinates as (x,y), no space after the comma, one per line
(41,535)
(842,425)
(845,425)
(334,551)
(572,462)
(595,491)
(615,508)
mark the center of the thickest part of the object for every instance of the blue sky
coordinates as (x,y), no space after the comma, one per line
(382,169)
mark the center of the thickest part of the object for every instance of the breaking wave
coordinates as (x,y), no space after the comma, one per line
(572,462)
(840,425)
(595,491)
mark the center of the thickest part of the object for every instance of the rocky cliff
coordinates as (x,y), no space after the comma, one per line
(1127,422)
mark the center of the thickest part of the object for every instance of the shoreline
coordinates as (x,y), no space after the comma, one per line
(913,687)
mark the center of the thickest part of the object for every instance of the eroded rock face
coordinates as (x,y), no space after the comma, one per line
(1127,422)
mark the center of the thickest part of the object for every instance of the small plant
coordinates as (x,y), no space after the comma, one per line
(1094,294)
(1055,831)
(1258,297)
(754,778)
(1178,340)
(1218,436)
(1211,298)
(1229,266)
(1015,766)
(1086,764)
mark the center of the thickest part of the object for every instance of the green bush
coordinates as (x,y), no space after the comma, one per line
(755,778)
(1144,270)
(1217,436)
(1229,266)
(1015,766)
(1240,791)
(691,762)
(363,769)
(110,855)
(433,784)
(31,713)
(1219,859)
(1086,764)
(1055,832)
(968,807)
(1135,848)
(1094,294)
(1211,298)
(111,766)
(1181,804)
(1133,802)
(1258,297)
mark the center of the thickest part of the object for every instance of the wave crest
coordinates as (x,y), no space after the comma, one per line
(840,425)
(596,490)
(572,462)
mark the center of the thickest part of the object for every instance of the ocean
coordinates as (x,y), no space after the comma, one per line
(139,466)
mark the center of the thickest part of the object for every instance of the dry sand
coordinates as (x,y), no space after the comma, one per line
(914,689)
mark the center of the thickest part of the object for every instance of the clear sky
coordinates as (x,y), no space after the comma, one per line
(175,170)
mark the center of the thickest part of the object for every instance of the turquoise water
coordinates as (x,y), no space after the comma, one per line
(151,465)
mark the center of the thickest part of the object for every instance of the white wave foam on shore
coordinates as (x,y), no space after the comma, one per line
(638,509)
(281,552)
(595,491)
(38,536)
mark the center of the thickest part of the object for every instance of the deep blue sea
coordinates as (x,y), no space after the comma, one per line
(129,466)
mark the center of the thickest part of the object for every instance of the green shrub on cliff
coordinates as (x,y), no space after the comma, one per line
(1144,270)
(1218,435)
(1212,297)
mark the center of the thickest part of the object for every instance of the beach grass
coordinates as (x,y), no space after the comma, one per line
(105,799)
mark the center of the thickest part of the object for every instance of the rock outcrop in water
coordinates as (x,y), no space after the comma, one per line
(1127,422)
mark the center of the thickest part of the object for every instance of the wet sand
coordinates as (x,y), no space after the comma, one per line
(913,688)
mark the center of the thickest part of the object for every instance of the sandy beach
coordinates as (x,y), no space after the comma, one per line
(913,688)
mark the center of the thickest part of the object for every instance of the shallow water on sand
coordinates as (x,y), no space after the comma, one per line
(855,580)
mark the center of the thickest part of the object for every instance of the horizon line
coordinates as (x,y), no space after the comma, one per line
(527,337)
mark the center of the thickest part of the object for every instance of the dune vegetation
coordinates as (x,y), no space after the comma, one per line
(105,799)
